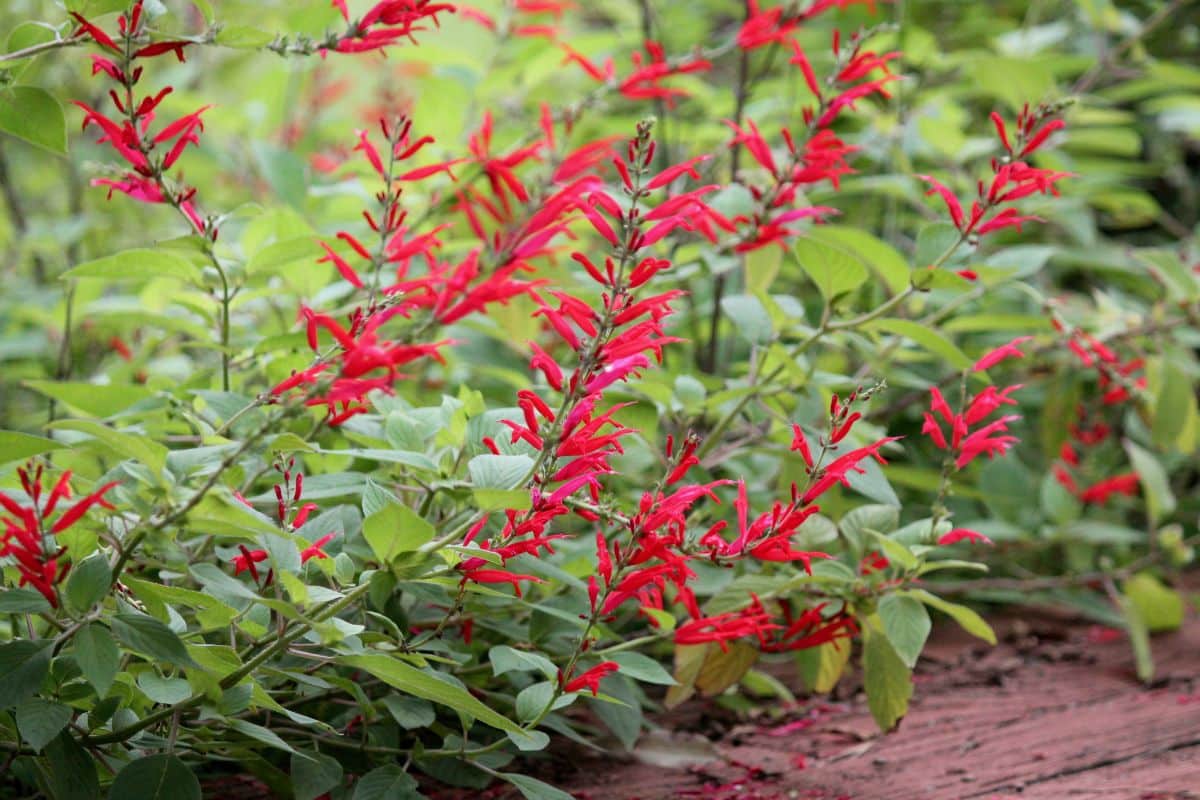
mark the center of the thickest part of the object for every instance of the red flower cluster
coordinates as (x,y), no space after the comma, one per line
(526,18)
(388,22)
(610,343)
(287,495)
(991,439)
(811,628)
(361,363)
(1012,179)
(768,538)
(131,137)
(366,358)
(29,533)
(645,82)
(775,25)
(1118,380)
(822,155)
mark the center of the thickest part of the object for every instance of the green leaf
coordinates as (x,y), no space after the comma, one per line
(533,699)
(410,713)
(167,691)
(148,636)
(502,499)
(72,773)
(39,721)
(386,783)
(23,601)
(156,777)
(1160,501)
(136,446)
(872,482)
(1160,607)
(724,668)
(25,35)
(967,619)
(689,660)
(886,678)
(97,656)
(33,114)
(212,613)
(822,666)
(622,713)
(533,789)
(499,472)
(906,624)
(314,774)
(877,254)
(411,680)
(16,446)
(642,668)
(1174,406)
(1018,81)
(927,338)
(206,10)
(95,8)
(24,664)
(260,734)
(138,264)
(1139,639)
(88,582)
(507,659)
(834,270)
(897,552)
(933,240)
(761,267)
(395,529)
(749,317)
(94,400)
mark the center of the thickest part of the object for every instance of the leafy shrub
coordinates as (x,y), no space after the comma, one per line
(362,454)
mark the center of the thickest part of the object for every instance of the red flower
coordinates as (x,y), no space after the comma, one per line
(962,534)
(480,575)
(29,534)
(387,22)
(1099,492)
(591,679)
(991,439)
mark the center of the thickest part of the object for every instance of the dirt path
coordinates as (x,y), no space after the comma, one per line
(1053,713)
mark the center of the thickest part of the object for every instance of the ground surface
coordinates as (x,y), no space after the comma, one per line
(1053,713)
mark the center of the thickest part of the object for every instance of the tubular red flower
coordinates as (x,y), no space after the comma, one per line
(962,534)
(591,679)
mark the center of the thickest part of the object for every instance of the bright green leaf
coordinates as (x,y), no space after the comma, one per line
(906,624)
(1160,607)
(886,678)
(395,529)
(137,265)
(35,115)
(834,270)
(16,446)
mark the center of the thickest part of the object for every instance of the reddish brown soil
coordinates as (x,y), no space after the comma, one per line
(1052,713)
